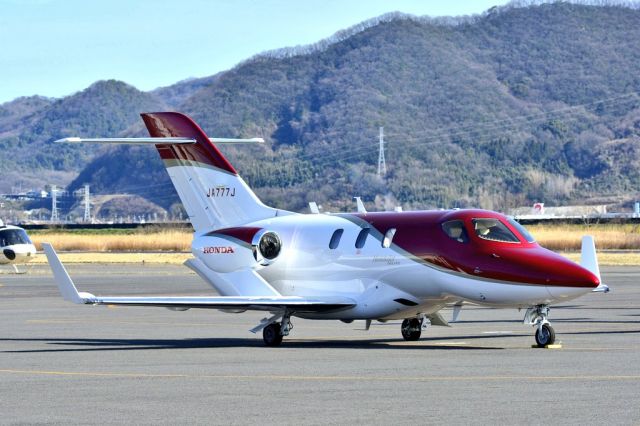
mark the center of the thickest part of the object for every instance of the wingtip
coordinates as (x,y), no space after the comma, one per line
(68,140)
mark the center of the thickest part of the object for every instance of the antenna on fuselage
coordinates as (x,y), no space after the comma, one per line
(313,206)
(360,205)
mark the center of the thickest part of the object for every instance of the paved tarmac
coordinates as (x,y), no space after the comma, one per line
(69,364)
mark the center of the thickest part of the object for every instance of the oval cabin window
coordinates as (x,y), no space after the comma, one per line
(362,238)
(335,239)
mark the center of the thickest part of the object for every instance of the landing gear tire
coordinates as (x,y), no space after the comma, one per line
(271,334)
(411,329)
(545,335)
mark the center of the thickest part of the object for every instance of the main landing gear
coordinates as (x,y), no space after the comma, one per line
(411,328)
(271,334)
(537,317)
(274,331)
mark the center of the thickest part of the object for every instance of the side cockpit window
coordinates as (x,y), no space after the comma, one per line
(494,230)
(388,238)
(455,230)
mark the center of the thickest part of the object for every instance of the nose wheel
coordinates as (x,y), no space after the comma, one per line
(537,317)
(545,335)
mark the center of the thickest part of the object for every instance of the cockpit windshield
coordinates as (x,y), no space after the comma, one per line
(9,237)
(522,230)
(493,230)
(455,230)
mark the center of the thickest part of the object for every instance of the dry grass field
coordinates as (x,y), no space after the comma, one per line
(159,240)
(569,237)
(554,237)
(174,245)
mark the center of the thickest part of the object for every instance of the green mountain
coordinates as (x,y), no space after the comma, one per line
(177,93)
(26,143)
(521,104)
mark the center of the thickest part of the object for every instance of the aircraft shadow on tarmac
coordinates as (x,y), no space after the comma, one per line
(87,345)
(434,343)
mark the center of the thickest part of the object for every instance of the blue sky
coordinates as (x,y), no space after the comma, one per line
(55,47)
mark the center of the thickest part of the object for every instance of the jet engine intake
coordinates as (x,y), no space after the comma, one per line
(266,247)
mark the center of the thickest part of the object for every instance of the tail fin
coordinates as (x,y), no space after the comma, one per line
(212,192)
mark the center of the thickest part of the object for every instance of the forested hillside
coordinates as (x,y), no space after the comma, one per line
(521,104)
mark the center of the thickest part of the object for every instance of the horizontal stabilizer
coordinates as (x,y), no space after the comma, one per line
(155,141)
(131,141)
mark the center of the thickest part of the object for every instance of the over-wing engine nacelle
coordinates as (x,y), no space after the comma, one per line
(224,254)
(266,247)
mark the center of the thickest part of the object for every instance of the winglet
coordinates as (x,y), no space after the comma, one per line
(62,278)
(589,261)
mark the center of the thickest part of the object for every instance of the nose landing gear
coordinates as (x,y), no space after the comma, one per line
(537,317)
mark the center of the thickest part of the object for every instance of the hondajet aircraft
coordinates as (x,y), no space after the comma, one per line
(363,266)
(15,246)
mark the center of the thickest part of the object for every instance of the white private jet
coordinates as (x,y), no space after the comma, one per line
(15,246)
(361,266)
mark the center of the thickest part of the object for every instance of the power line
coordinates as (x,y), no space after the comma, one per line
(54,203)
(382,164)
(87,204)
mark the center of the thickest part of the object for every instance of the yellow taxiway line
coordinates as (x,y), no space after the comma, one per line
(321,378)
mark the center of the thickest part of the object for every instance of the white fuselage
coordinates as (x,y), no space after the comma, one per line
(376,277)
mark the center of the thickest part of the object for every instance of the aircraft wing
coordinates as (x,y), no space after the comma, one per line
(259,303)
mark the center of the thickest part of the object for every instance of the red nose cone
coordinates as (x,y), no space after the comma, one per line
(541,266)
(588,279)
(563,272)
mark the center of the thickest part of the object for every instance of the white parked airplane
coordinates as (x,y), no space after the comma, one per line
(362,266)
(15,246)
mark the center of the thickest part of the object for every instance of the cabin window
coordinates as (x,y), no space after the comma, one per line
(388,238)
(362,238)
(494,230)
(335,239)
(455,230)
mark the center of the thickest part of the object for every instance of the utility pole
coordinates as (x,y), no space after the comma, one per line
(54,203)
(87,204)
(382,165)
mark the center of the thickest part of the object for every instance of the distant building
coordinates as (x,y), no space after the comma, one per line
(539,210)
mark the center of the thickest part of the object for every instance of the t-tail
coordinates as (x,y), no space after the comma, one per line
(211,191)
